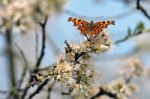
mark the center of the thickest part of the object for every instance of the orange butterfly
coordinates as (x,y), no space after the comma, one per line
(90,28)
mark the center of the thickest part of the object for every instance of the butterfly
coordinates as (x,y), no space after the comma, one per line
(90,28)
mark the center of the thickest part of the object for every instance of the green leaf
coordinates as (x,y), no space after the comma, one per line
(140,27)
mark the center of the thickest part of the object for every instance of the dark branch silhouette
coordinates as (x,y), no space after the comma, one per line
(139,7)
(43,25)
(40,87)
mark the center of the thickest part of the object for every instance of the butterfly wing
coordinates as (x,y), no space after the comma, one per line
(100,26)
(81,25)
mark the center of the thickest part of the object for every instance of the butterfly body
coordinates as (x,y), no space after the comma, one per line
(91,25)
(90,28)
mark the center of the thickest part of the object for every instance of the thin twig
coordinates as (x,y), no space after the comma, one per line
(139,7)
(49,90)
(69,49)
(36,45)
(49,93)
(78,55)
(104,92)
(128,37)
(43,25)
(24,68)
(65,93)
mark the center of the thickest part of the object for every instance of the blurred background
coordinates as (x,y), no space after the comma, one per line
(108,65)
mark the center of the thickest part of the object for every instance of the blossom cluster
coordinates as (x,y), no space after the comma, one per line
(21,15)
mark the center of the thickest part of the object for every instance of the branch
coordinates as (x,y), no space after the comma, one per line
(139,7)
(25,67)
(69,49)
(43,25)
(31,82)
(25,92)
(11,62)
(77,55)
(40,87)
(47,67)
(128,36)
